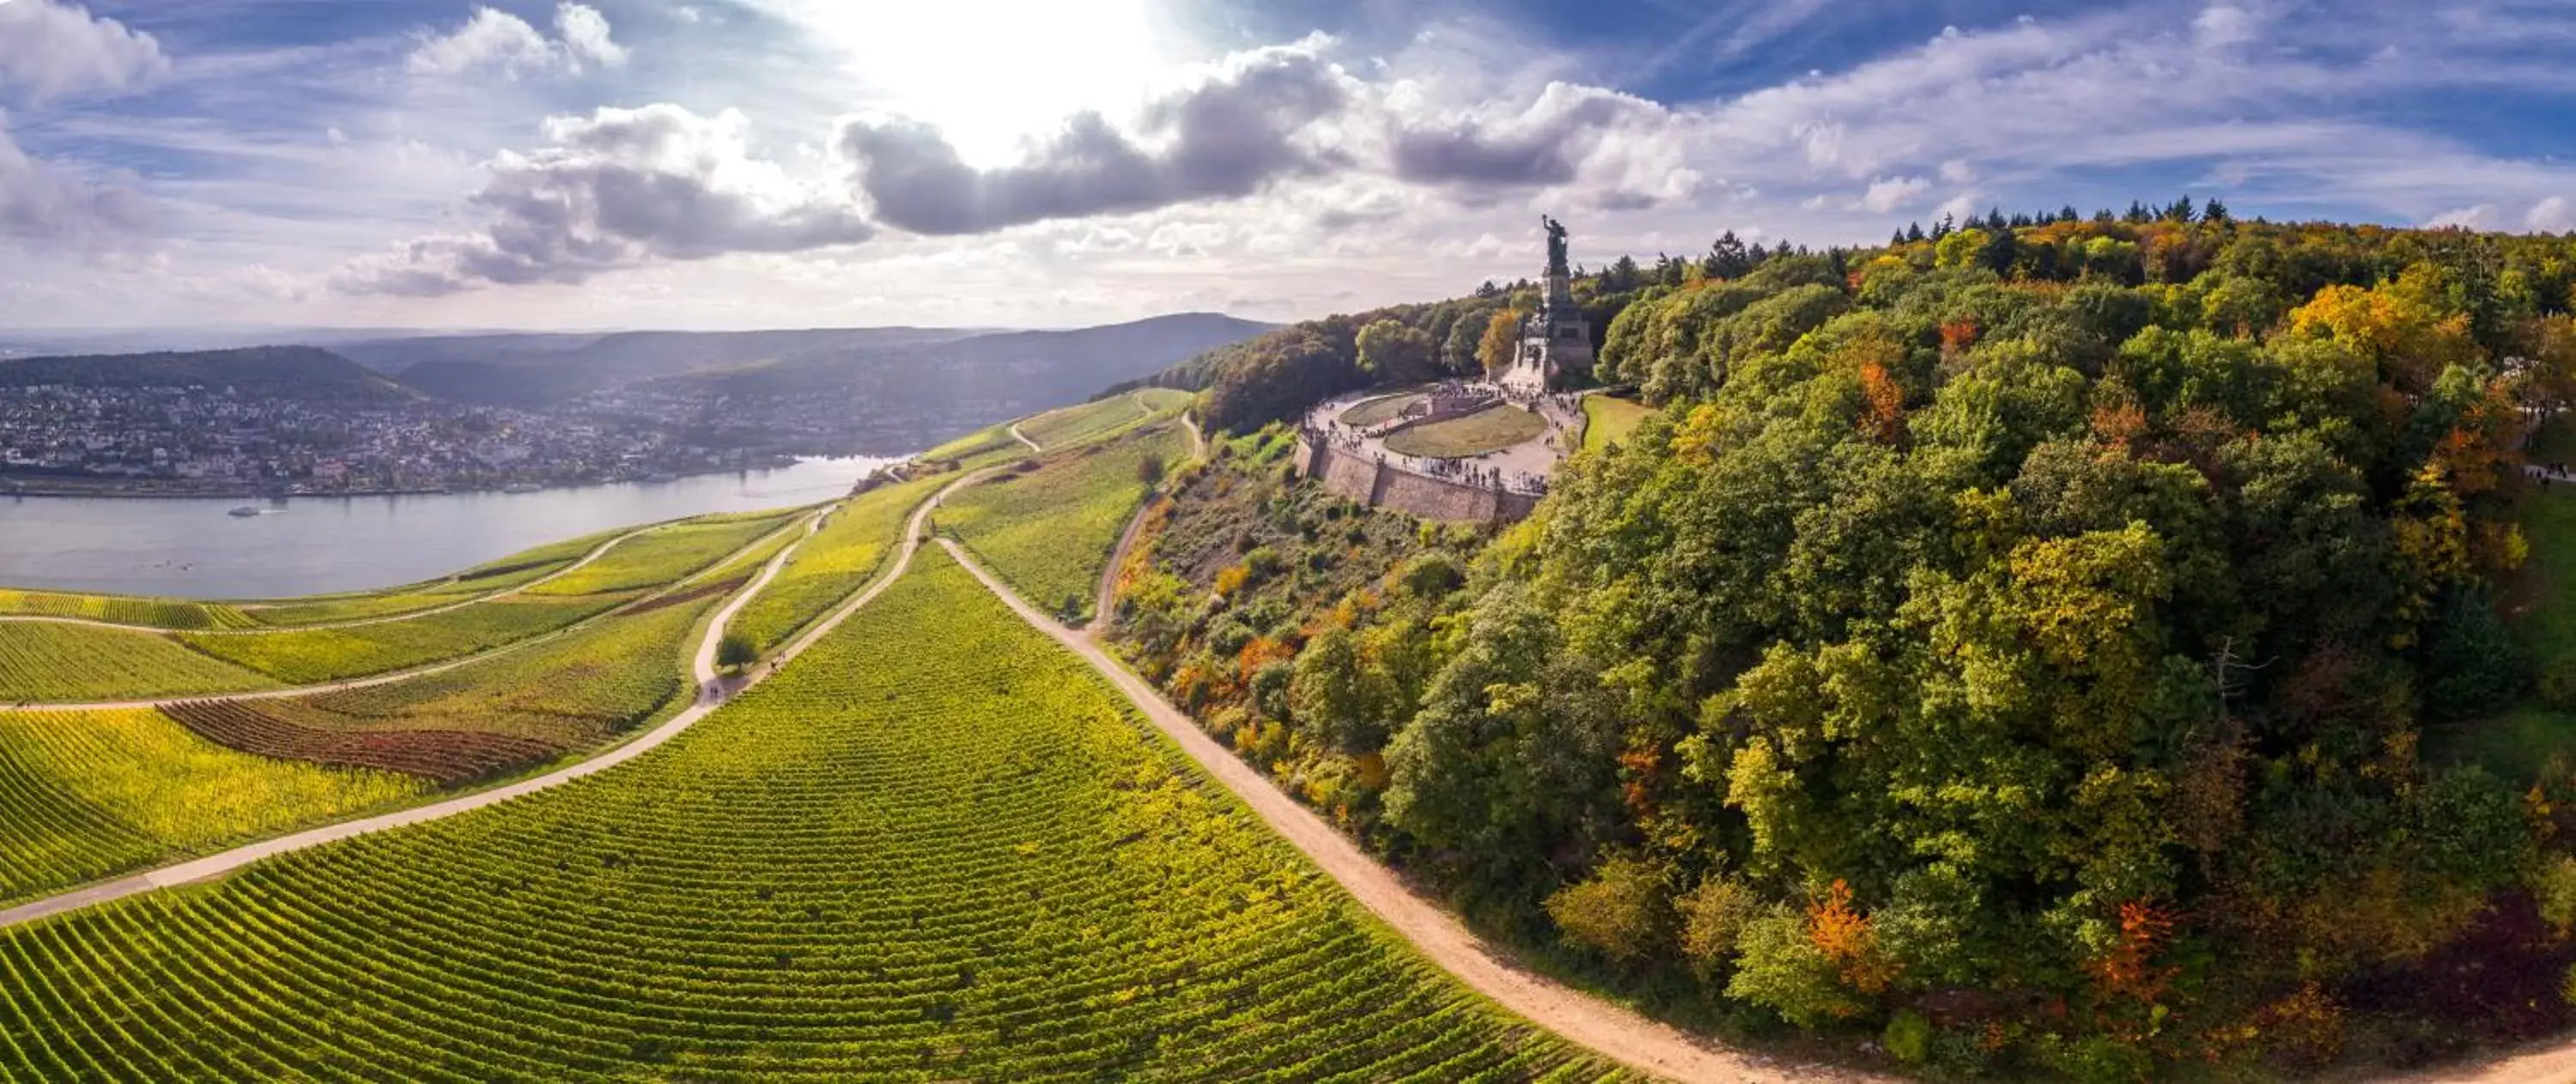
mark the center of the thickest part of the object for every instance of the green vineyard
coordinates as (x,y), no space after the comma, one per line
(892,862)
(308,656)
(164,613)
(662,556)
(85,795)
(49,662)
(1049,531)
(837,560)
(1092,421)
(600,678)
(512,571)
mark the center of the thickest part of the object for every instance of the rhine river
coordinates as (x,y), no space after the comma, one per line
(191,547)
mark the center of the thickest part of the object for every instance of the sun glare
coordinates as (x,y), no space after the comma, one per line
(992,73)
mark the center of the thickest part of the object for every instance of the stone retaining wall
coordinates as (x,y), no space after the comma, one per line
(1363,479)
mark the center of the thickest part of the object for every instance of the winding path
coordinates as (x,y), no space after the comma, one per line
(1607,1029)
(1024,438)
(1105,599)
(713,692)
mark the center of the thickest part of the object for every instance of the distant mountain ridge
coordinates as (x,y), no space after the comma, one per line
(540,369)
(301,373)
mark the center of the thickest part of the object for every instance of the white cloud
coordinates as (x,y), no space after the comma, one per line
(50,50)
(48,205)
(2479,217)
(2550,215)
(490,39)
(585,35)
(621,188)
(1959,206)
(2221,25)
(495,40)
(1893,193)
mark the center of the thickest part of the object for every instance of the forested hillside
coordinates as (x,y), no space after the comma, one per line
(284,372)
(2036,644)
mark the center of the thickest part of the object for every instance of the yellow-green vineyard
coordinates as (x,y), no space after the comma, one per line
(894,861)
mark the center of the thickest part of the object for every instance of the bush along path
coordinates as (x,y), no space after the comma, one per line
(1616,1033)
(714,689)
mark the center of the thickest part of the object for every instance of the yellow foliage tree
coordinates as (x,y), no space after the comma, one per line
(1502,340)
(2406,326)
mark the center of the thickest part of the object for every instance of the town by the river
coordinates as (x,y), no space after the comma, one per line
(194,547)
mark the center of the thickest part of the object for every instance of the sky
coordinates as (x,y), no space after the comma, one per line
(1056,163)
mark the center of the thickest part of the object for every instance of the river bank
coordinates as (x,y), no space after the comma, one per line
(187,547)
(126,489)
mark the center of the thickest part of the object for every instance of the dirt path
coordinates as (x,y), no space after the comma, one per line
(713,692)
(407,615)
(813,522)
(1105,597)
(1024,438)
(1580,1018)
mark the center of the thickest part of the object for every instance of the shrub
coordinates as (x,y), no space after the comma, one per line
(1713,917)
(2473,665)
(735,651)
(2553,888)
(1621,911)
(1908,1037)
(1778,967)
(2558,684)
(1431,575)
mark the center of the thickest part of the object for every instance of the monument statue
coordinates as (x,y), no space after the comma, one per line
(1555,245)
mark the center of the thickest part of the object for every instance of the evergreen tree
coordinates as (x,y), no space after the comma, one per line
(1727,258)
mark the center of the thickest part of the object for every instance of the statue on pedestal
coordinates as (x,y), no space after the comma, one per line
(1555,245)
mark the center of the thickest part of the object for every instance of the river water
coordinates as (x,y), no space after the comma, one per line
(190,547)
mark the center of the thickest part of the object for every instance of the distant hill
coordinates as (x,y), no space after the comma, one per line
(894,399)
(286,372)
(1052,367)
(537,369)
(940,365)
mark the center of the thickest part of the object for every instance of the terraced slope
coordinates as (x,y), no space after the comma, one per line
(892,861)
(488,717)
(501,575)
(167,613)
(87,794)
(663,555)
(1049,531)
(621,575)
(981,447)
(47,662)
(313,656)
(1073,425)
(837,560)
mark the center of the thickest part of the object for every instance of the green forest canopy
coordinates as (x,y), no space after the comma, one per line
(2021,639)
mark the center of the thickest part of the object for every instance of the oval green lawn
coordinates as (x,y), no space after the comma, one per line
(1489,430)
